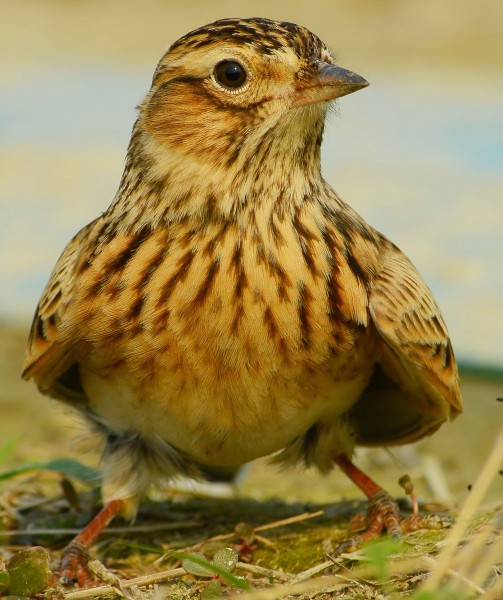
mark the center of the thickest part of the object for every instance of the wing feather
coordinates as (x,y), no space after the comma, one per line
(51,348)
(415,387)
(408,319)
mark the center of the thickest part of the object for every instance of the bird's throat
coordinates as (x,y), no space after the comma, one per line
(173,182)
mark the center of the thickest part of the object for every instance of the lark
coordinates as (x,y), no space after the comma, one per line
(229,304)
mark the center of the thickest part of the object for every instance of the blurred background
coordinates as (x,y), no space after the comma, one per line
(419,154)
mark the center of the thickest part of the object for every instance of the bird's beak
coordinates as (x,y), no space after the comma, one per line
(329,82)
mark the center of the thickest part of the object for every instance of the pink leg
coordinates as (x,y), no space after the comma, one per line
(74,561)
(382,512)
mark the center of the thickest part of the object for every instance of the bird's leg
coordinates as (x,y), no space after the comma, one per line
(73,566)
(382,512)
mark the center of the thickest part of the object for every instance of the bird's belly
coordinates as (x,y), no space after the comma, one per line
(234,367)
(230,422)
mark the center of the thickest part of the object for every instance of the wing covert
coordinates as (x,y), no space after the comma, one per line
(409,321)
(49,352)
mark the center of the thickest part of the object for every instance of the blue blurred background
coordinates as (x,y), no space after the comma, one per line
(419,154)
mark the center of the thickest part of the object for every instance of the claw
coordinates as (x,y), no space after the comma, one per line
(430,521)
(350,545)
(382,513)
(73,569)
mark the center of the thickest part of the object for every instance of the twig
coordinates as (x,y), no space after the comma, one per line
(362,574)
(265,541)
(256,570)
(308,573)
(123,529)
(98,569)
(304,587)
(435,478)
(290,520)
(268,526)
(144,580)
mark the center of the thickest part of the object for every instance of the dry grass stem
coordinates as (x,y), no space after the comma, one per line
(446,557)
(144,580)
(257,570)
(266,527)
(483,551)
(265,541)
(98,570)
(431,562)
(435,478)
(304,587)
(110,530)
(335,582)
(289,521)
(308,573)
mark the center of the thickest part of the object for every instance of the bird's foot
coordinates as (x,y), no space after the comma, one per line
(383,514)
(74,568)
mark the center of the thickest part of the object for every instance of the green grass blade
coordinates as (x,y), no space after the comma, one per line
(227,577)
(67,466)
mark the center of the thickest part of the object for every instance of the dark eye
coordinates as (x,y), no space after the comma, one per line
(230,74)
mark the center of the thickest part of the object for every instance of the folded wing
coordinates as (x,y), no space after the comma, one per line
(415,387)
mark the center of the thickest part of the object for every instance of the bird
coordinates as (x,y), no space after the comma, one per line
(229,304)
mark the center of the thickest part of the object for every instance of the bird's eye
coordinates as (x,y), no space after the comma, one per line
(230,74)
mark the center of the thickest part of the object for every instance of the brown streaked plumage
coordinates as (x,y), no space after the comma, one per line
(229,304)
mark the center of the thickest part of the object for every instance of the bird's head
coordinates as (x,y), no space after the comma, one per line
(234,100)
